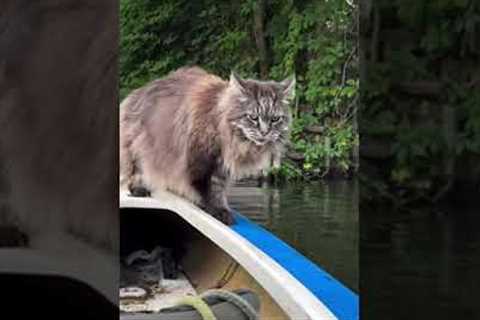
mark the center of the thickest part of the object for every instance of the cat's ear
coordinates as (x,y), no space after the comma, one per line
(288,89)
(237,82)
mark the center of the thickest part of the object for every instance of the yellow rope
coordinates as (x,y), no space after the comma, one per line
(201,306)
(234,299)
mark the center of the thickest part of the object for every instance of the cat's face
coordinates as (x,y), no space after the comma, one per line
(260,110)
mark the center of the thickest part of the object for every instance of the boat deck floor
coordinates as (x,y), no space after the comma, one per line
(146,285)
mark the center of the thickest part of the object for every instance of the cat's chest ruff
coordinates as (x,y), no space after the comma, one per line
(247,153)
(243,159)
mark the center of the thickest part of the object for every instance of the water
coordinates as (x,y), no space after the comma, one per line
(423,265)
(320,220)
(420,266)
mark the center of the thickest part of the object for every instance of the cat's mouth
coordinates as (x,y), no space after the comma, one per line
(257,140)
(260,141)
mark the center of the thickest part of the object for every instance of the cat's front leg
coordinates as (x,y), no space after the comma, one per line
(136,185)
(214,200)
(210,183)
(218,199)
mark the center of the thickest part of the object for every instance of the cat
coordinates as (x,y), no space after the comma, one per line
(192,132)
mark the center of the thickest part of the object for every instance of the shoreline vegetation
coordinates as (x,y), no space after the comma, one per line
(264,39)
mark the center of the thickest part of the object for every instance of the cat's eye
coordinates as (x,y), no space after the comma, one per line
(253,117)
(276,119)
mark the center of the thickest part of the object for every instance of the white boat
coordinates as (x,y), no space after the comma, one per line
(243,256)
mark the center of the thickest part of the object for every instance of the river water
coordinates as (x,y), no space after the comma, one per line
(320,220)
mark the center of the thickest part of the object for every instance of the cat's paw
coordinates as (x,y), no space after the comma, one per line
(140,192)
(225,215)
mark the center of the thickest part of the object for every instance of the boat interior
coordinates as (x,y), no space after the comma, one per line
(165,260)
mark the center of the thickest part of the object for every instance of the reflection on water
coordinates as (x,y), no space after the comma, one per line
(319,220)
(423,266)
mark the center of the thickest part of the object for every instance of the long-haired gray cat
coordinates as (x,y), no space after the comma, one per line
(192,132)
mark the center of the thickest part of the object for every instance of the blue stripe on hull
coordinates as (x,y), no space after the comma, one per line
(341,301)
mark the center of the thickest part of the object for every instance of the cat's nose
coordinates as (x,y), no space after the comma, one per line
(264,129)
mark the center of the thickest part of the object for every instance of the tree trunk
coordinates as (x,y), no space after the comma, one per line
(259,32)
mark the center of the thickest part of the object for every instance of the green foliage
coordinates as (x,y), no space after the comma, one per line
(313,39)
(158,37)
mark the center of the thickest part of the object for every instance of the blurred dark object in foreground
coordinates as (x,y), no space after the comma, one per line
(58,157)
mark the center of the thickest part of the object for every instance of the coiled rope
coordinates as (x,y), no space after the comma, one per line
(199,304)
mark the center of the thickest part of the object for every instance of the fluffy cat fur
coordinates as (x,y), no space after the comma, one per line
(192,132)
